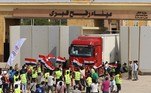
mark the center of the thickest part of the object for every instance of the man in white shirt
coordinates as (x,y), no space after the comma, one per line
(135,71)
(51,82)
(95,87)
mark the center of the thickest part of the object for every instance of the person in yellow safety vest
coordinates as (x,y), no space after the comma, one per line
(68,81)
(39,68)
(17,90)
(23,82)
(58,74)
(1,91)
(118,80)
(67,70)
(89,82)
(16,76)
(34,73)
(77,77)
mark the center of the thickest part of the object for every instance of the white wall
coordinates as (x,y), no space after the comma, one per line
(134,43)
(43,40)
(64,41)
(54,40)
(124,44)
(145,49)
(26,49)
(39,42)
(139,46)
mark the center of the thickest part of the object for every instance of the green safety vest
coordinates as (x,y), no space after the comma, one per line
(15,77)
(58,74)
(39,69)
(77,75)
(118,80)
(89,81)
(46,77)
(34,74)
(23,78)
(17,90)
(1,91)
(67,79)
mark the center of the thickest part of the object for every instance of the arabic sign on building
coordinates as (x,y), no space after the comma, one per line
(82,14)
(141,15)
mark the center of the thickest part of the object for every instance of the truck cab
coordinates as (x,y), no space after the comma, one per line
(86,51)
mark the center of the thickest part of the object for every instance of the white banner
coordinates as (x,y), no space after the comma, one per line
(15,51)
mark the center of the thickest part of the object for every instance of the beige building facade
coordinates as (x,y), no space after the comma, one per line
(87,13)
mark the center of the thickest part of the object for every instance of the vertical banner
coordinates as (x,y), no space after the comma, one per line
(15,51)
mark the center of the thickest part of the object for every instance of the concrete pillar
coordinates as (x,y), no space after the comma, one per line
(2,36)
(106,24)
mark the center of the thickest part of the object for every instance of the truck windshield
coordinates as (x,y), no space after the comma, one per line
(81,51)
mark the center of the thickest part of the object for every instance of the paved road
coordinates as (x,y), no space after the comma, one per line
(143,85)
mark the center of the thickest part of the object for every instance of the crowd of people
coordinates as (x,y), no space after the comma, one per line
(39,79)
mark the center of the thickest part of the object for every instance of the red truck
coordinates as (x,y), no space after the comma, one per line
(91,51)
(86,51)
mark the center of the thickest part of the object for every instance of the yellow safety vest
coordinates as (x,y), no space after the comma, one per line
(23,78)
(58,74)
(1,91)
(39,69)
(31,68)
(15,77)
(89,81)
(17,90)
(67,79)
(77,75)
(34,74)
(118,80)
(46,77)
